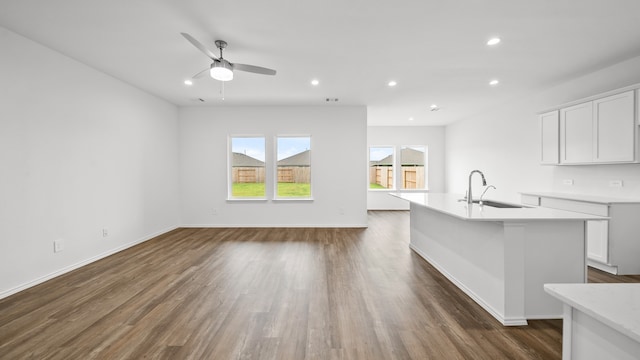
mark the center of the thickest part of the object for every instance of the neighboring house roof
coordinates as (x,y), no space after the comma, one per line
(299,159)
(243,160)
(412,157)
(408,156)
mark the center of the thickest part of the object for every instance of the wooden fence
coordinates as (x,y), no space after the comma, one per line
(412,176)
(294,174)
(288,174)
(247,174)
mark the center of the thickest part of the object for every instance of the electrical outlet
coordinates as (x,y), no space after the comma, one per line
(568,182)
(105,232)
(615,183)
(214,212)
(58,246)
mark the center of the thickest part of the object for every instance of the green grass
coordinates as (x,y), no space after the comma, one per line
(294,189)
(258,190)
(376,186)
(248,190)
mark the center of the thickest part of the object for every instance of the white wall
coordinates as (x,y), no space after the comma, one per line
(431,136)
(338,168)
(79,151)
(504,144)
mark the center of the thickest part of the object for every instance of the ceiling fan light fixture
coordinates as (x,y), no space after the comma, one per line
(493,41)
(221,70)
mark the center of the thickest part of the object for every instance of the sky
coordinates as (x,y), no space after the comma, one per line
(255,146)
(379,153)
(289,146)
(251,146)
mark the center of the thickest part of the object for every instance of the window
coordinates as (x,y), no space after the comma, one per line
(247,167)
(410,174)
(381,167)
(412,164)
(294,167)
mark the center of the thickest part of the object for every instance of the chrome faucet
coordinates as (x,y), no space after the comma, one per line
(484,183)
(484,192)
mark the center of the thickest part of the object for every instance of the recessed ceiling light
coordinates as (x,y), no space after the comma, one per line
(434,107)
(392,83)
(493,41)
(315,82)
(410,119)
(494,82)
(188,82)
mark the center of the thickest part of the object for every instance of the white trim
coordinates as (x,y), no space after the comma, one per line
(592,97)
(604,267)
(512,321)
(247,199)
(240,226)
(543,317)
(567,331)
(82,263)
(293,199)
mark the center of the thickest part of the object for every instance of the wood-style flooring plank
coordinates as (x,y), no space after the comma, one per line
(267,293)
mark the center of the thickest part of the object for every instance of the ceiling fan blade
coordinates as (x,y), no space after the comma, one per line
(201,73)
(253,69)
(201,47)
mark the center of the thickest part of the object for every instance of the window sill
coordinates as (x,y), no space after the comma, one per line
(293,200)
(257,200)
(399,190)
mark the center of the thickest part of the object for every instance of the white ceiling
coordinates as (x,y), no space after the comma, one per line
(435,50)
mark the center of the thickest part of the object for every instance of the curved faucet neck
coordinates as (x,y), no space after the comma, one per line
(469,192)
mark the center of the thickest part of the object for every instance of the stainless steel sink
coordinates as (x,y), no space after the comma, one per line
(498,204)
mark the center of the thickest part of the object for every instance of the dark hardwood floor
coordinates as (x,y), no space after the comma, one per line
(292,293)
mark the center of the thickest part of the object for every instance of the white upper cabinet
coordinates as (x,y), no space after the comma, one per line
(576,134)
(614,126)
(600,131)
(549,133)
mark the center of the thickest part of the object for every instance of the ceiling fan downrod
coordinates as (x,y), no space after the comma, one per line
(221,44)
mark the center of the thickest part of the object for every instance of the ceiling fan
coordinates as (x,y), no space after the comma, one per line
(221,69)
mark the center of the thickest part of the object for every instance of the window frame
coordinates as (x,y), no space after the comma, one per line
(230,152)
(425,167)
(397,168)
(276,196)
(393,166)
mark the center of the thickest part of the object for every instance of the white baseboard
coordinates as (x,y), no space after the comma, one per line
(77,265)
(365,225)
(493,312)
(82,263)
(604,267)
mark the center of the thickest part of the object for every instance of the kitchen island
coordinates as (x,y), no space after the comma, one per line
(500,257)
(601,321)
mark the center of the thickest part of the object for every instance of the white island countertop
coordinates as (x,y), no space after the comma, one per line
(449,204)
(616,305)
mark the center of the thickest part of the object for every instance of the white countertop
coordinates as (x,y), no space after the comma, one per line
(585,198)
(449,204)
(616,305)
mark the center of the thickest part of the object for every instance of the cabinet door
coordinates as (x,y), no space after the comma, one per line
(598,240)
(614,126)
(550,136)
(576,134)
